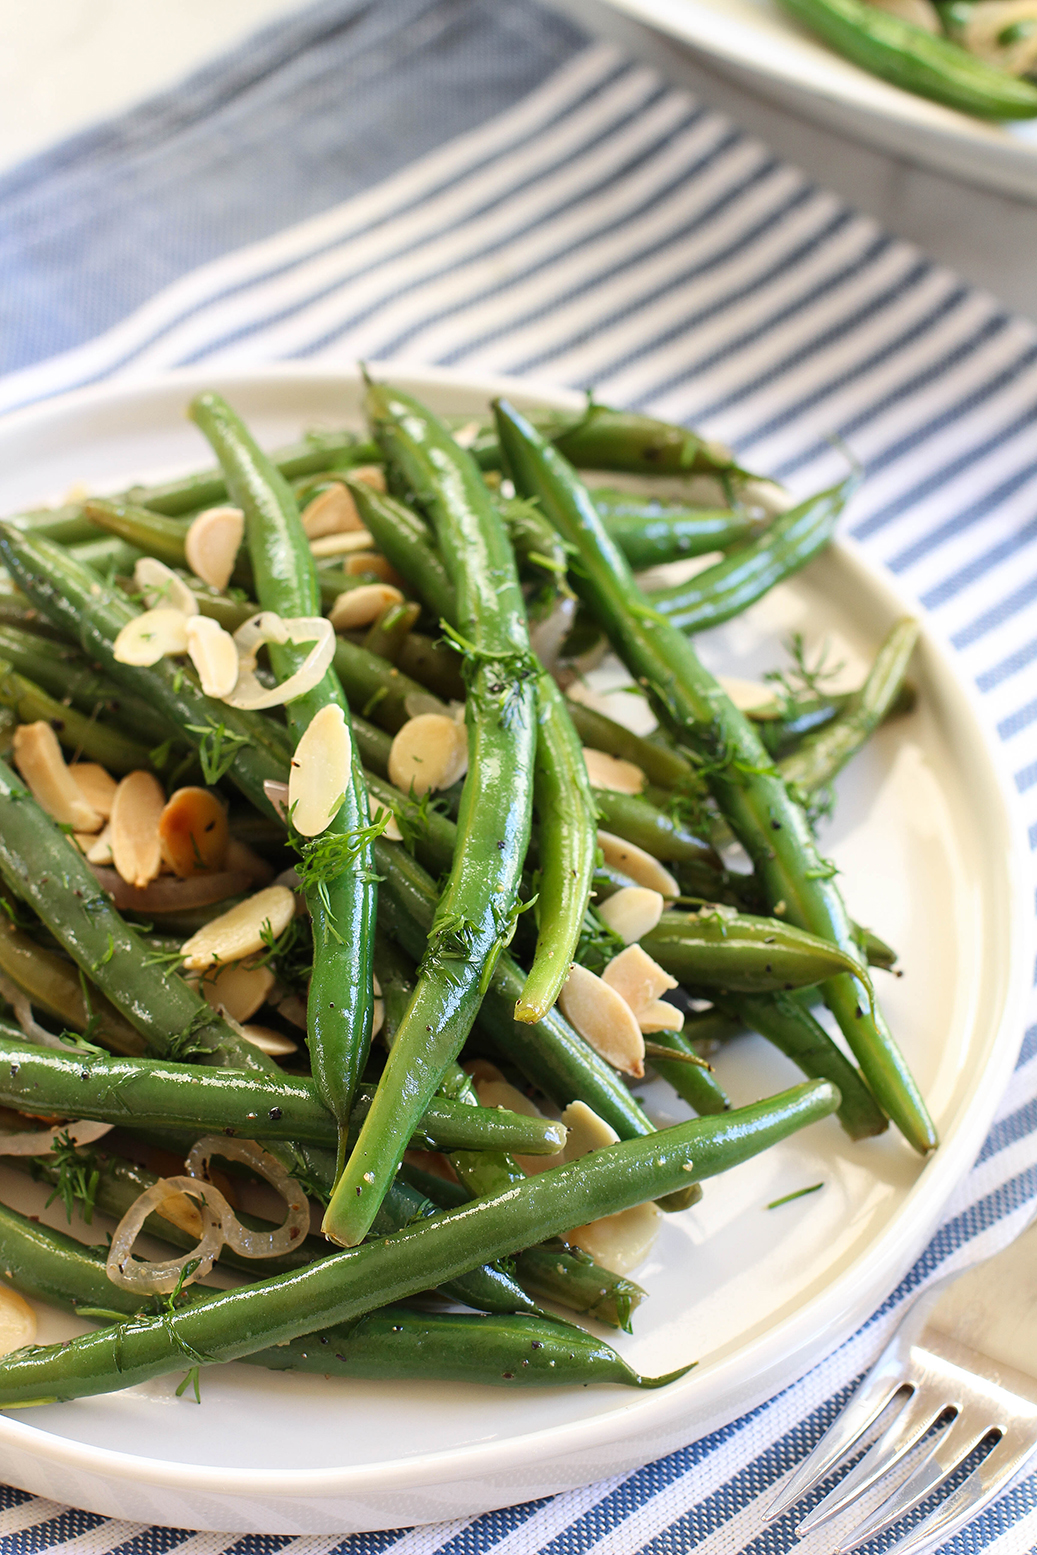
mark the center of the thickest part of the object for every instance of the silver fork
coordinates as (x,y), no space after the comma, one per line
(969,1345)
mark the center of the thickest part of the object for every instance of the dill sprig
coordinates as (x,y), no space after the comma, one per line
(331,854)
(78,1177)
(217,749)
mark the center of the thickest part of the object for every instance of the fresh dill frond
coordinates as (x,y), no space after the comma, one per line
(78,1177)
(217,749)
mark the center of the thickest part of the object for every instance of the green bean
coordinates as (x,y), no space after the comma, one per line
(46,1081)
(567,834)
(795,1032)
(247,747)
(821,756)
(632,817)
(474,916)
(651,532)
(661,765)
(63,672)
(435,664)
(342,897)
(600,438)
(315,452)
(336,1289)
(85,736)
(387,635)
(733,584)
(742,779)
(58,987)
(536,542)
(42,866)
(914,59)
(377,689)
(66,525)
(726,949)
(407,542)
(698,1087)
(147,531)
(107,555)
(430,836)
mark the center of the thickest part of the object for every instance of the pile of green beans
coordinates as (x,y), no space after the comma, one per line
(457,940)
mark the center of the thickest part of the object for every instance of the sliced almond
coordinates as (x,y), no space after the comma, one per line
(320,771)
(587,1131)
(150,636)
(183,1213)
(239,989)
(362,606)
(637,864)
(343,544)
(749,696)
(212,543)
(332,512)
(417,702)
(239,933)
(637,978)
(632,912)
(622,777)
(241,859)
(136,813)
(17,1321)
(619,1242)
(373,561)
(661,1016)
(371,474)
(96,786)
(100,850)
(160,585)
(377,1008)
(269,1041)
(37,755)
(604,1019)
(193,832)
(428,753)
(214,654)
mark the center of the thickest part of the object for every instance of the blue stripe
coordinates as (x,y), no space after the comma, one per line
(1007,667)
(68,1524)
(979,566)
(997,615)
(1016,722)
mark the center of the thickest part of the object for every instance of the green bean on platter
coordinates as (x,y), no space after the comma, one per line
(320,892)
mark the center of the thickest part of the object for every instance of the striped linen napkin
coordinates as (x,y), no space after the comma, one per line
(473,183)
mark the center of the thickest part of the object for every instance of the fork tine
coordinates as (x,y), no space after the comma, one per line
(983,1486)
(907,1428)
(870,1399)
(949,1449)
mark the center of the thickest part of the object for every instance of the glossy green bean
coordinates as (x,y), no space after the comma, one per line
(315,452)
(742,779)
(651,532)
(698,1087)
(57,986)
(336,1289)
(660,764)
(85,737)
(601,438)
(719,947)
(408,543)
(62,671)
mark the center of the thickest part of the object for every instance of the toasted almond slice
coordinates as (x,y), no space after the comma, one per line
(415,703)
(749,696)
(332,512)
(362,606)
(343,544)
(320,771)
(100,850)
(604,1019)
(373,561)
(150,636)
(661,1016)
(17,1321)
(371,474)
(236,934)
(429,752)
(267,1040)
(37,755)
(619,1242)
(377,1009)
(241,859)
(214,655)
(212,543)
(622,777)
(239,989)
(637,978)
(632,912)
(96,786)
(494,1091)
(136,813)
(637,864)
(193,832)
(160,585)
(587,1131)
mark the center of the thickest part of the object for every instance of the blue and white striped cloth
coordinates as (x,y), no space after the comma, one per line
(472,183)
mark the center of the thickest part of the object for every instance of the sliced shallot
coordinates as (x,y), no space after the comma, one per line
(161,1278)
(255,1244)
(267,627)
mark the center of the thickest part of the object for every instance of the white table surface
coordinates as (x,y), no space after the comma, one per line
(67,63)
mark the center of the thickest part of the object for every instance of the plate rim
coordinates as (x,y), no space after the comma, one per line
(648,1416)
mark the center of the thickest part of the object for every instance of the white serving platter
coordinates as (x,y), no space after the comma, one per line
(932,856)
(768,52)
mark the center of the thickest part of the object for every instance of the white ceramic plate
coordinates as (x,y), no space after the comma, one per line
(931,854)
(759,43)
